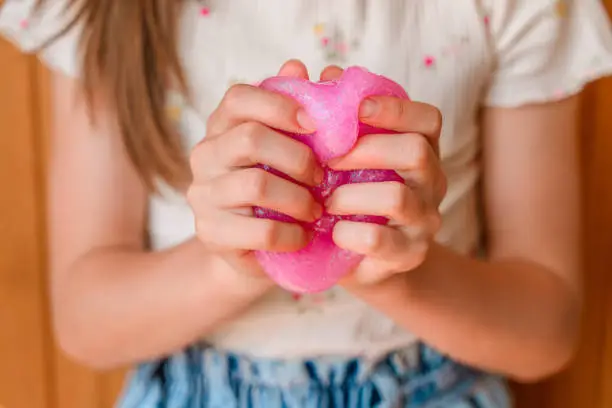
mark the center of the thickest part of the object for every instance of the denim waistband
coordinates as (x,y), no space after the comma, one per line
(417,367)
(206,377)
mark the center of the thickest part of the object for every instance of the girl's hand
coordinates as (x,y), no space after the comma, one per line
(226,185)
(412,207)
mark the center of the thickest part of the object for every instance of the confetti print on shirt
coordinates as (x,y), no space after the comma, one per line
(205,9)
(429,61)
(332,42)
(175,106)
(487,20)
(454,48)
(561,8)
(313,302)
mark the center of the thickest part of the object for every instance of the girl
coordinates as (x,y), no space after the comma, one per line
(423,320)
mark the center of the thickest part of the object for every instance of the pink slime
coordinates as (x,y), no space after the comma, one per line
(333,105)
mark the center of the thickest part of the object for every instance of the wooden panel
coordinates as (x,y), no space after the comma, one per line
(600,238)
(112,386)
(599,157)
(24,337)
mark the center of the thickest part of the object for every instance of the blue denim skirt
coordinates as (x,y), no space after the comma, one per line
(202,377)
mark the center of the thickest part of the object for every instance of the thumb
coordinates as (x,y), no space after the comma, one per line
(294,68)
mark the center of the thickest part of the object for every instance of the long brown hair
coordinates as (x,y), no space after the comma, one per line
(129,59)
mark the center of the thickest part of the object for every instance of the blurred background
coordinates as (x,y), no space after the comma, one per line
(34,373)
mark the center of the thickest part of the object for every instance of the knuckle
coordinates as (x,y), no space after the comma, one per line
(192,196)
(420,152)
(213,118)
(435,222)
(253,128)
(419,253)
(197,158)
(234,95)
(435,122)
(374,238)
(198,196)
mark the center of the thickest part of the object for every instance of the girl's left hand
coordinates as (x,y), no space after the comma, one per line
(412,207)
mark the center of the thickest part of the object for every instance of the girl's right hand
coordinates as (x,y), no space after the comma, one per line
(226,186)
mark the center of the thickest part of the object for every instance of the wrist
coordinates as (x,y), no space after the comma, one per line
(242,285)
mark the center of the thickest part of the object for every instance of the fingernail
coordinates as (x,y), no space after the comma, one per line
(334,162)
(317,211)
(328,203)
(369,107)
(319,176)
(308,236)
(305,121)
(295,238)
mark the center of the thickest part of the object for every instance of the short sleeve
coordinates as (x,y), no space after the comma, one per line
(28,30)
(546,50)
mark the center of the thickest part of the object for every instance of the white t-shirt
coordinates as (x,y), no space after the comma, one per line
(456,55)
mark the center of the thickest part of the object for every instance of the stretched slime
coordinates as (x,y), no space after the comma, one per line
(334,106)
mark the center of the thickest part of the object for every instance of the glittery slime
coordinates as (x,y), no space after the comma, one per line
(334,106)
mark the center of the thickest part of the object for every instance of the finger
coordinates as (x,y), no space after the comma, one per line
(400,152)
(403,116)
(409,154)
(250,144)
(392,200)
(243,103)
(258,188)
(371,240)
(294,68)
(235,232)
(331,73)
(375,270)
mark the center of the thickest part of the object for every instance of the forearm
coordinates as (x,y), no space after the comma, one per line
(117,305)
(510,317)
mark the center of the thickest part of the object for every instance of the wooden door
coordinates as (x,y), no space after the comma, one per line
(34,374)
(24,333)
